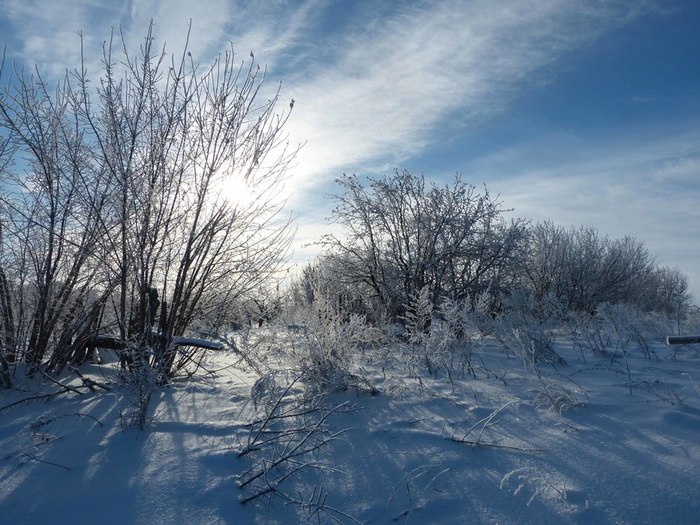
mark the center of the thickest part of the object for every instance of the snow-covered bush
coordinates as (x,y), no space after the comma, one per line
(333,344)
(584,269)
(400,234)
(628,327)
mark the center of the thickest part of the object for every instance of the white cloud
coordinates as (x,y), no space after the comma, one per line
(171,19)
(387,92)
(371,93)
(45,34)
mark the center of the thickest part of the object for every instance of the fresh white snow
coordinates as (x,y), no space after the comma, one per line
(423,449)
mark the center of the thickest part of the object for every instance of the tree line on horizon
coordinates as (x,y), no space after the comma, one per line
(399,235)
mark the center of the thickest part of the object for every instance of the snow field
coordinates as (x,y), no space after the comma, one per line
(419,448)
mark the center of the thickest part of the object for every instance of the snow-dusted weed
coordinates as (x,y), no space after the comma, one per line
(333,344)
(416,484)
(527,329)
(555,396)
(588,334)
(289,434)
(627,328)
(538,484)
(440,339)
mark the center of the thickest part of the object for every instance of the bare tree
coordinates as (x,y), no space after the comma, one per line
(670,295)
(401,236)
(7,325)
(125,192)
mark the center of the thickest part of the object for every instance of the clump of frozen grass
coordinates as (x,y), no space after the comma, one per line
(439,338)
(540,485)
(555,396)
(527,329)
(455,335)
(627,326)
(589,333)
(616,329)
(474,434)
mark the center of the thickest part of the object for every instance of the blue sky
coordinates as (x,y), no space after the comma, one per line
(577,112)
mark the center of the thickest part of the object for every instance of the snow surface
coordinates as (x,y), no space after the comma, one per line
(628,452)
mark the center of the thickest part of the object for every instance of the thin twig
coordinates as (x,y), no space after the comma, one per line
(72,389)
(89,383)
(34,398)
(32,456)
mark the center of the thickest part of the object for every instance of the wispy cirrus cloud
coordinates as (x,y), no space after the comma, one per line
(171,20)
(387,91)
(372,91)
(45,34)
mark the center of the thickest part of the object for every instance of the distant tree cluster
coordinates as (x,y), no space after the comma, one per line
(400,237)
(583,269)
(114,217)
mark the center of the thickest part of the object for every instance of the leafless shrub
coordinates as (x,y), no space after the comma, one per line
(400,234)
(584,269)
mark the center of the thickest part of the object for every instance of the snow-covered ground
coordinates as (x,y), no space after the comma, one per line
(419,449)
